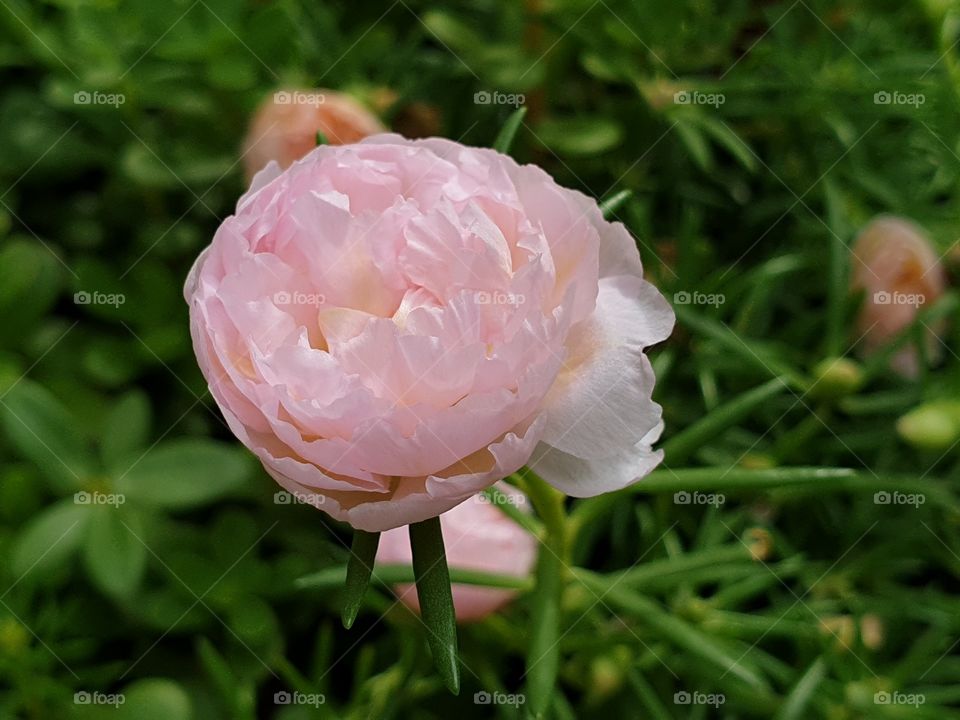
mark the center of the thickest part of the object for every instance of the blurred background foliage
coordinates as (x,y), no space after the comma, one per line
(799,597)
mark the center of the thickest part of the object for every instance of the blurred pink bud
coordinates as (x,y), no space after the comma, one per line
(899,271)
(284,127)
(478,536)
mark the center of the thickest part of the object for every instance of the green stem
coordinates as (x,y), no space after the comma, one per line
(543,655)
(436,600)
(503,503)
(549,504)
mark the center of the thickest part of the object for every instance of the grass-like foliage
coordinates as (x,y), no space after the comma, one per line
(794,558)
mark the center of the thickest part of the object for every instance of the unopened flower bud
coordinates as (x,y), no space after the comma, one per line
(842,628)
(285,126)
(872,631)
(836,378)
(899,271)
(932,426)
(760,543)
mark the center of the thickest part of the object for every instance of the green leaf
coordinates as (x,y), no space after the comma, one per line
(108,362)
(30,278)
(610,206)
(679,632)
(601,66)
(696,143)
(363,551)
(838,271)
(581,135)
(50,538)
(797,703)
(684,444)
(114,552)
(543,654)
(126,428)
(143,168)
(748,350)
(186,473)
(451,31)
(508,132)
(727,138)
(238,697)
(233,71)
(154,699)
(648,695)
(255,622)
(812,479)
(43,430)
(336,576)
(436,600)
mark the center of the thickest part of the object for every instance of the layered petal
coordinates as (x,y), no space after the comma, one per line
(392,326)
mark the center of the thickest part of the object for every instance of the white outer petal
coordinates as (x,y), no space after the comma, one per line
(578,477)
(601,402)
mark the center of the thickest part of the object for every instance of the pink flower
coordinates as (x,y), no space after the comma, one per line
(477,536)
(285,126)
(394,325)
(899,272)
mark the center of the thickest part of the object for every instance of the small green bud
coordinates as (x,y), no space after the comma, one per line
(13,637)
(932,426)
(836,378)
(606,673)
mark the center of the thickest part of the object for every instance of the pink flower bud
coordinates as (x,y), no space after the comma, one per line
(284,127)
(899,272)
(477,536)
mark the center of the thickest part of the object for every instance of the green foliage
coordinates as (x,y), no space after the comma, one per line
(143,554)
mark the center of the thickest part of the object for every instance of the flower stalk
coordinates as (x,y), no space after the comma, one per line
(436,599)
